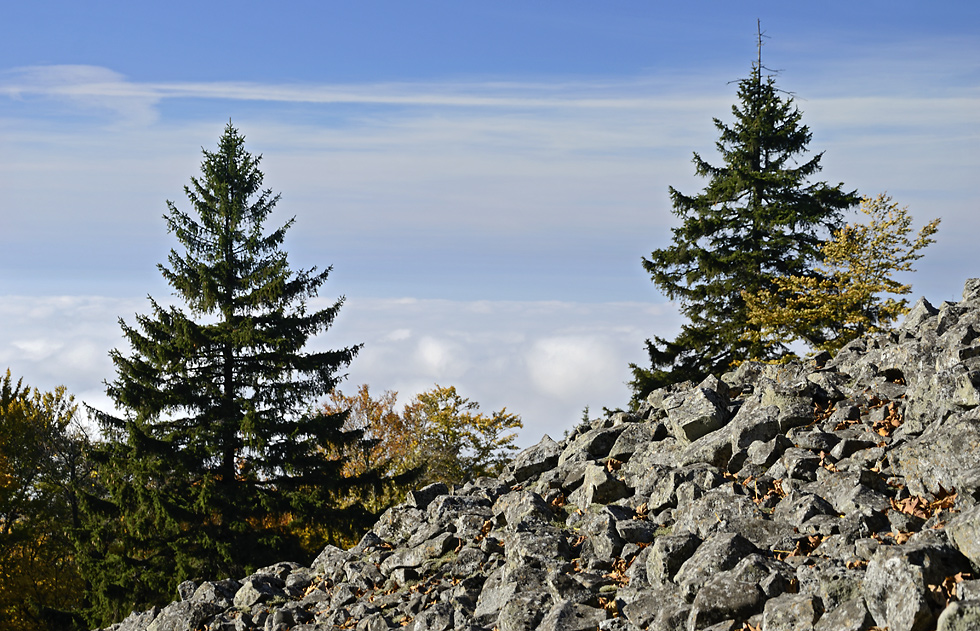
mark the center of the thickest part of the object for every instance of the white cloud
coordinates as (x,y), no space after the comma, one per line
(440,359)
(90,87)
(104,86)
(543,360)
(398,335)
(564,367)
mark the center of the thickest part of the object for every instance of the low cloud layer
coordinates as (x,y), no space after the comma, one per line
(545,361)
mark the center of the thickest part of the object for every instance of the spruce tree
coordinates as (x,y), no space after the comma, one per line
(217,462)
(759,217)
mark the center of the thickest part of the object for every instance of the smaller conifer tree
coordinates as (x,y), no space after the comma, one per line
(759,217)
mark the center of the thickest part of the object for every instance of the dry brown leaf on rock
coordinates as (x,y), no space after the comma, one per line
(891,422)
(822,413)
(914,505)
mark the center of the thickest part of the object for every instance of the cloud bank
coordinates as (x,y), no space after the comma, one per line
(543,360)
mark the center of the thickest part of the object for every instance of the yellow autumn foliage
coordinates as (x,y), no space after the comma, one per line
(438,431)
(846,296)
(40,587)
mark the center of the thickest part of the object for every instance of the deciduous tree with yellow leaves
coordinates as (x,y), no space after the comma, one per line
(845,298)
(440,436)
(41,463)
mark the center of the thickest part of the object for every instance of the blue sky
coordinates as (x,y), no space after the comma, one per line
(484,177)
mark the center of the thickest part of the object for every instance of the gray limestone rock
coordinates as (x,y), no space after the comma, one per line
(395,526)
(831,581)
(798,507)
(896,585)
(599,486)
(851,615)
(438,617)
(221,592)
(695,413)
(516,507)
(591,445)
(964,531)
(421,498)
(849,492)
(791,612)
(445,509)
(714,511)
(721,552)
(523,612)
(943,456)
(724,600)
(331,560)
(660,609)
(183,616)
(569,616)
(536,460)
(259,588)
(667,554)
(961,615)
(137,621)
(921,312)
(641,513)
(633,437)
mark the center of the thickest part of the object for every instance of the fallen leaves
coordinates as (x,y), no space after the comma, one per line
(918,506)
(484,530)
(822,413)
(804,547)
(892,538)
(829,466)
(774,489)
(891,422)
(609,604)
(947,589)
(914,505)
(618,572)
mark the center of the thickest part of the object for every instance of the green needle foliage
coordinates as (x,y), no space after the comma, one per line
(217,464)
(759,217)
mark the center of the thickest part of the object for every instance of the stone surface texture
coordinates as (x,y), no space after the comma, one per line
(828,494)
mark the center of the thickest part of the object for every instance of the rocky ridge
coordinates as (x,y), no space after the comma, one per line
(833,494)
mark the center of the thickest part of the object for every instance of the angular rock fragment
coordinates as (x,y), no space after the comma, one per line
(897,584)
(960,616)
(721,552)
(724,600)
(848,616)
(695,414)
(536,460)
(791,612)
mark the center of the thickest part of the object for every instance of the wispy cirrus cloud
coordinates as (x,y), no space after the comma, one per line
(97,84)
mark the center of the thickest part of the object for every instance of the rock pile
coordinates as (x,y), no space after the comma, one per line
(835,494)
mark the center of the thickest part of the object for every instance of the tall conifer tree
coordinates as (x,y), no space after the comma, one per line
(757,218)
(218,460)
